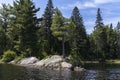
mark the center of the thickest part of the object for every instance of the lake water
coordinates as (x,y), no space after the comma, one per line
(93,72)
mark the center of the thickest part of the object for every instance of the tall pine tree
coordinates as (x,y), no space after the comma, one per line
(46,25)
(24,23)
(61,28)
(98,22)
(80,33)
(4,20)
(118,31)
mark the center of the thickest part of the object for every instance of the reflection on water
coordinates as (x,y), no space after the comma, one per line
(109,74)
(11,72)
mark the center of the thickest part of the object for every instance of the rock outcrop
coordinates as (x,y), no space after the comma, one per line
(54,62)
(27,61)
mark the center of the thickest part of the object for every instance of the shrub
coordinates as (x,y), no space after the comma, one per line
(75,59)
(8,56)
(18,58)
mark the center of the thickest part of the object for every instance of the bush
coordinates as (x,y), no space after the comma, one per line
(75,59)
(18,58)
(8,56)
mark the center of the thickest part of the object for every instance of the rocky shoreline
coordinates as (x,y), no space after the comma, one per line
(54,62)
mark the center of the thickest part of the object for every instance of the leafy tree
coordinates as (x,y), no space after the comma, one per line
(24,23)
(98,22)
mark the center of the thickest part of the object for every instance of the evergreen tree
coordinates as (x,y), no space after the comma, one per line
(98,22)
(104,43)
(112,42)
(2,36)
(80,33)
(46,25)
(24,23)
(100,38)
(4,20)
(118,27)
(118,31)
(60,28)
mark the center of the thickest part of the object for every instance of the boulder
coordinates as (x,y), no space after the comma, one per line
(12,62)
(66,65)
(49,61)
(54,62)
(79,69)
(26,61)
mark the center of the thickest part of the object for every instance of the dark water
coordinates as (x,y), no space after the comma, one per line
(93,72)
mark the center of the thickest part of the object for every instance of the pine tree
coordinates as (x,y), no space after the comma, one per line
(46,25)
(2,36)
(118,31)
(24,23)
(118,27)
(98,22)
(112,42)
(4,20)
(80,33)
(60,28)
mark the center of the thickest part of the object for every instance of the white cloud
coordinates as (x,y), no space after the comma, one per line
(89,4)
(70,6)
(105,1)
(79,5)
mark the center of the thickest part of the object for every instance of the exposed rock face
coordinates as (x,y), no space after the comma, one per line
(54,62)
(49,61)
(66,65)
(79,69)
(27,61)
(12,62)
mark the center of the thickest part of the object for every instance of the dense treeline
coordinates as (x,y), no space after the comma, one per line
(24,34)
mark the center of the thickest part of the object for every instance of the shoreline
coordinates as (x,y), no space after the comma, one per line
(54,62)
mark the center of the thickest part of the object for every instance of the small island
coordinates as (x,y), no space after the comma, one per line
(53,41)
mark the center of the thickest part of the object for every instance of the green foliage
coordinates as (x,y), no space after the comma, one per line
(104,43)
(24,26)
(2,36)
(58,25)
(4,20)
(8,56)
(45,31)
(58,29)
(21,31)
(75,59)
(118,38)
(80,38)
(18,58)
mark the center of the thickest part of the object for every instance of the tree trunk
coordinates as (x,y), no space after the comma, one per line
(63,47)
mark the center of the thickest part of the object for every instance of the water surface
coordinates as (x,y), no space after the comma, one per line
(93,72)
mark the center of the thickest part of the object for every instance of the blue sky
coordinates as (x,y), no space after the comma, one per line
(88,8)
